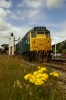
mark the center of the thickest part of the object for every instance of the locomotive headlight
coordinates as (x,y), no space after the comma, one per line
(33,41)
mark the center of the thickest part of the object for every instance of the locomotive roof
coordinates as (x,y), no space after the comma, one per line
(39,28)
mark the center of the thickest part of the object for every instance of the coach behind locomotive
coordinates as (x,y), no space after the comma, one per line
(35,45)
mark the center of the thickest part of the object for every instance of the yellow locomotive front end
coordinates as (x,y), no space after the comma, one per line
(40,42)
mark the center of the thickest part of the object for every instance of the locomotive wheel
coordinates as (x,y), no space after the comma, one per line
(45,60)
(40,57)
(27,56)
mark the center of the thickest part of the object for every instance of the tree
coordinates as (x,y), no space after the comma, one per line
(5,48)
(60,49)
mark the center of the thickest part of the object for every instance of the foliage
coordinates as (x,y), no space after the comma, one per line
(13,86)
(60,47)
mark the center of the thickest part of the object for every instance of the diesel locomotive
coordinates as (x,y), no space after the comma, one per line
(35,45)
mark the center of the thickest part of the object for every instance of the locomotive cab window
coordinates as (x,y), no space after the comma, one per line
(47,34)
(33,34)
(40,32)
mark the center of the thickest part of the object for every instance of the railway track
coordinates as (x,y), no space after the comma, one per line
(58,60)
(57,63)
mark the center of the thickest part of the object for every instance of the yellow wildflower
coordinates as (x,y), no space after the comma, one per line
(38,66)
(35,73)
(45,76)
(27,76)
(32,79)
(54,74)
(40,71)
(38,82)
(39,77)
(44,68)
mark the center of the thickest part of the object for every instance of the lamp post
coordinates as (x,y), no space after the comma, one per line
(55,47)
(55,41)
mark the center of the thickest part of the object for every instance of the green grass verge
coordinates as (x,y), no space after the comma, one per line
(13,86)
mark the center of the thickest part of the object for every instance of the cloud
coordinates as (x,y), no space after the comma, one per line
(4,25)
(19,12)
(17,17)
(3,16)
(31,13)
(50,4)
(3,13)
(30,3)
(21,15)
(30,9)
(54,3)
(58,35)
(5,4)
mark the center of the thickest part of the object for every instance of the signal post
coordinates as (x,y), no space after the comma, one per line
(11,44)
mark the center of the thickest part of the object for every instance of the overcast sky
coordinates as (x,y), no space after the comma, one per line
(18,16)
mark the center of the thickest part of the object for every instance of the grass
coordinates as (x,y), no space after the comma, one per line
(13,86)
